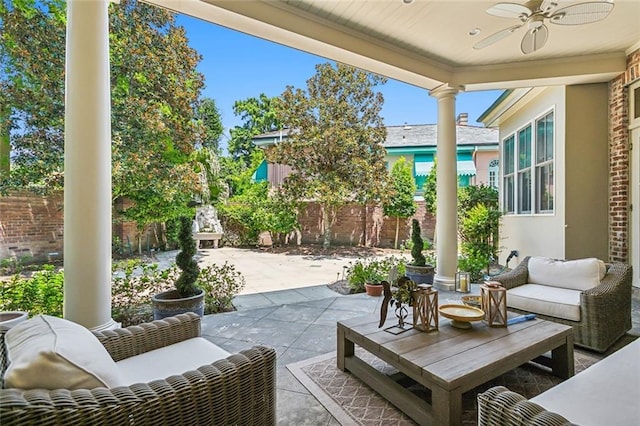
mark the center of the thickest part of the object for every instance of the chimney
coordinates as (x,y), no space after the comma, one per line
(463,119)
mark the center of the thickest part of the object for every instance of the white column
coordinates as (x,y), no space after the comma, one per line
(446,190)
(87,159)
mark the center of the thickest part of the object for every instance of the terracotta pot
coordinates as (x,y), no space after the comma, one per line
(373,289)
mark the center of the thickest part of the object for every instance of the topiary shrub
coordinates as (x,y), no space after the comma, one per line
(186,282)
(418,244)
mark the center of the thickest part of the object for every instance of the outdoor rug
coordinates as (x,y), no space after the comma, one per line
(352,402)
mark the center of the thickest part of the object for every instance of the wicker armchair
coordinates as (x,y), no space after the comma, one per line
(605,310)
(499,406)
(238,390)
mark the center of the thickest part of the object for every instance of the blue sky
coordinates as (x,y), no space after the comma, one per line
(237,66)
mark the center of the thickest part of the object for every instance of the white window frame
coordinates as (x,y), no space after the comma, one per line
(533,168)
(508,180)
(494,173)
(523,171)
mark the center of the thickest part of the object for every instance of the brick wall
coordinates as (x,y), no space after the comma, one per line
(353,219)
(31,225)
(619,165)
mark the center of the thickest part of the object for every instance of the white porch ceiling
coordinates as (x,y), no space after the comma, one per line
(427,43)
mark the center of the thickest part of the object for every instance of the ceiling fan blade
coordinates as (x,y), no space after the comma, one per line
(547,6)
(495,37)
(582,13)
(509,10)
(534,39)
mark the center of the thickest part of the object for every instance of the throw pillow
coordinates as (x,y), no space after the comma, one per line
(580,274)
(46,352)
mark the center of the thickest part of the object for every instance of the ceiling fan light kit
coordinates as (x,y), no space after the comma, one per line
(534,13)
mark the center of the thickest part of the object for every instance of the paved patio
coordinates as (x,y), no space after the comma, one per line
(301,323)
(287,304)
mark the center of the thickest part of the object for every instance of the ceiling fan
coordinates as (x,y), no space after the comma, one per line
(533,14)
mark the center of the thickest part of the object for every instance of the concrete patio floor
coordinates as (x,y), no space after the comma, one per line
(301,323)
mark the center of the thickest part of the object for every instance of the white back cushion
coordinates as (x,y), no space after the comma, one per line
(46,352)
(581,274)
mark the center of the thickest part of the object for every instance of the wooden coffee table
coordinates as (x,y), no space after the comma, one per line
(449,361)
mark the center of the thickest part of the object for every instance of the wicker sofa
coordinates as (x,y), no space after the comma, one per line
(604,310)
(607,393)
(237,390)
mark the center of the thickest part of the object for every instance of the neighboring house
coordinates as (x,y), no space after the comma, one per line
(477,151)
(554,179)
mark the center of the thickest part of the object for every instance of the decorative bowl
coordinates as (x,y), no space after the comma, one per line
(472,300)
(461,316)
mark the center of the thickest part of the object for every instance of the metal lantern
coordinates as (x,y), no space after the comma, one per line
(463,282)
(425,308)
(494,303)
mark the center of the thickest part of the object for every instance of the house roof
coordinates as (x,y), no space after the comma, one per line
(409,135)
(427,135)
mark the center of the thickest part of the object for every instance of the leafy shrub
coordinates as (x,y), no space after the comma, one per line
(373,271)
(133,283)
(220,285)
(42,293)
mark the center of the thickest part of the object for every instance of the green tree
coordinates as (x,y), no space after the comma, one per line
(402,188)
(430,189)
(155,89)
(32,42)
(479,223)
(335,145)
(155,93)
(259,116)
(210,120)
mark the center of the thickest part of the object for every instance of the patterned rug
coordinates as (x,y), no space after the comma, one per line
(352,402)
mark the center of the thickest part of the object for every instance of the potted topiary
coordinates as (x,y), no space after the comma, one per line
(187,296)
(418,271)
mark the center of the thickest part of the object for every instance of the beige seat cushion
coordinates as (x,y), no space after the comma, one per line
(170,360)
(581,274)
(606,393)
(46,352)
(543,299)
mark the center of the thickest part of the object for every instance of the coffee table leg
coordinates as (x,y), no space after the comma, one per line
(345,348)
(562,362)
(446,406)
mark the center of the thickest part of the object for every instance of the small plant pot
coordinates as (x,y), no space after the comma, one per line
(169,303)
(373,289)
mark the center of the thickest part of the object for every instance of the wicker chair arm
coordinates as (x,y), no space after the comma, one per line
(500,406)
(127,342)
(516,277)
(617,279)
(238,390)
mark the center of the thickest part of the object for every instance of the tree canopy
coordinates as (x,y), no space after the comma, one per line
(155,91)
(258,116)
(334,145)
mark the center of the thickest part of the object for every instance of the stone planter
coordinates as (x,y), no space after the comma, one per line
(420,274)
(169,303)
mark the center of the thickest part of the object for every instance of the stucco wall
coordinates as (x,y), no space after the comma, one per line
(587,172)
(537,234)
(482,160)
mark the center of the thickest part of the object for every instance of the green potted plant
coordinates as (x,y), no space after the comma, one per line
(419,270)
(368,274)
(187,296)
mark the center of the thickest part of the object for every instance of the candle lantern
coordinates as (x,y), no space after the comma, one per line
(425,308)
(494,303)
(463,282)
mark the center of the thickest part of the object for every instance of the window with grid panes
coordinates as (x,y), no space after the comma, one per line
(524,170)
(544,188)
(508,188)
